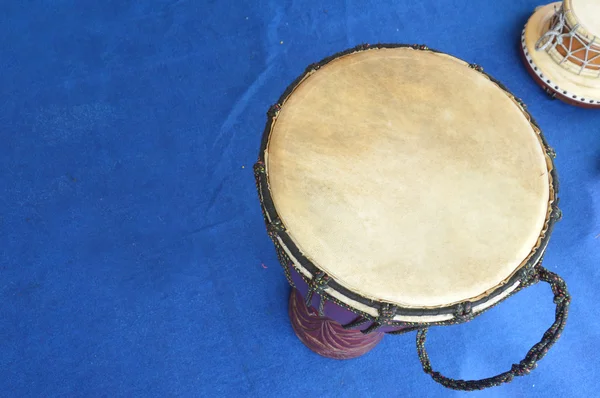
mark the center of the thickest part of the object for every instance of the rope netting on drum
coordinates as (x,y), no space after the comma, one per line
(586,54)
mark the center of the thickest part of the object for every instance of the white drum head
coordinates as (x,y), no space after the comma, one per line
(409,177)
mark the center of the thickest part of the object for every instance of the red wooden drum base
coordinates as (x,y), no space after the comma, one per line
(327,337)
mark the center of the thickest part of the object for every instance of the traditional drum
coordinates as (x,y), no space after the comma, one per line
(404,188)
(561,49)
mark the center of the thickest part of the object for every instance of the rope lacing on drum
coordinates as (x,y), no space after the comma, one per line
(554,38)
(556,32)
(356,323)
(464,311)
(318,285)
(387,312)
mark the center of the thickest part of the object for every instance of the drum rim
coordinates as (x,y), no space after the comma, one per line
(277,230)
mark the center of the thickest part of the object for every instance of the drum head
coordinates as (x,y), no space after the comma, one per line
(409,177)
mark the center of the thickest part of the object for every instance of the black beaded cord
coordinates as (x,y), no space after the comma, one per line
(286,263)
(317,285)
(562,299)
(358,322)
(385,318)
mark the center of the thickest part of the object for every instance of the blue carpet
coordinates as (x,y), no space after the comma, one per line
(131,235)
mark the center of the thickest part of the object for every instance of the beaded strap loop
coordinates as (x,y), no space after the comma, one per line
(536,353)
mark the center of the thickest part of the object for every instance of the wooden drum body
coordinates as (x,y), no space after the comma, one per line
(404,188)
(560,46)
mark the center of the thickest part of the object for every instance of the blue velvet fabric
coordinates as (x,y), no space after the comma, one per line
(133,256)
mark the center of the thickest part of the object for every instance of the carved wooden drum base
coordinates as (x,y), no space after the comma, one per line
(325,336)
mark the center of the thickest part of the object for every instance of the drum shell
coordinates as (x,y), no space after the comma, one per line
(579,52)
